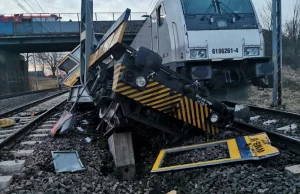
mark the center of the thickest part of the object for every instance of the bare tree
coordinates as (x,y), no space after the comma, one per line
(292,37)
(36,58)
(39,57)
(266,21)
(49,61)
(266,15)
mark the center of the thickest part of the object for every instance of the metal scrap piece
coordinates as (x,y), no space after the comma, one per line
(67,161)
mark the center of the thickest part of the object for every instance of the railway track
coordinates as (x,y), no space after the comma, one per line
(26,93)
(17,106)
(27,167)
(22,138)
(283,128)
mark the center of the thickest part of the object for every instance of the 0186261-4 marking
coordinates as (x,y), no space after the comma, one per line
(225,50)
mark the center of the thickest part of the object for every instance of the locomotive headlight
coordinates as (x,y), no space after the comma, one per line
(198,53)
(251,51)
(214,118)
(140,82)
(194,54)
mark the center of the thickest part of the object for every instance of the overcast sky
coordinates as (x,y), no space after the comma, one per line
(73,6)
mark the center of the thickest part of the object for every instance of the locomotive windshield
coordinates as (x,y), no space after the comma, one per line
(195,7)
(237,6)
(200,7)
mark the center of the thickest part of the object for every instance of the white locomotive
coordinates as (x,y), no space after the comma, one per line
(216,42)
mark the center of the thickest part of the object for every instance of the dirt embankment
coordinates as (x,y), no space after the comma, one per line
(291,92)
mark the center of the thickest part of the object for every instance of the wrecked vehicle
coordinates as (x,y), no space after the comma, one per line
(131,86)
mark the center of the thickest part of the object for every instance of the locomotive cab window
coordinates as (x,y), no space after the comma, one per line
(162,15)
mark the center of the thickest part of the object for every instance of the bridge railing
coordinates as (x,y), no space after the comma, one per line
(63,23)
(101,16)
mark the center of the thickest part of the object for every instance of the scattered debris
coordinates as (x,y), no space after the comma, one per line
(87,140)
(65,117)
(80,129)
(38,112)
(242,112)
(68,124)
(270,122)
(254,118)
(7,122)
(17,119)
(288,128)
(29,114)
(67,161)
(172,192)
(24,114)
(85,122)
(262,190)
(293,170)
(254,147)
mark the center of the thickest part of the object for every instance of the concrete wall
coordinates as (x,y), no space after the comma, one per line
(13,73)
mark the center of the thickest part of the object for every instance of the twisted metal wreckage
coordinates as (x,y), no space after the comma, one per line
(132,86)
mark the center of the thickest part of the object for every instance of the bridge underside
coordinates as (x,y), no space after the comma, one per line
(13,73)
(25,44)
(28,37)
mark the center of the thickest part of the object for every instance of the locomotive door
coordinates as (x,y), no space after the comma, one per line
(154,31)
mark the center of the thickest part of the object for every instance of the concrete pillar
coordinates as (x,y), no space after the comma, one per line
(120,145)
(24,69)
(12,74)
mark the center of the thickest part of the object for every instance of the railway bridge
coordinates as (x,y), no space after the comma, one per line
(37,34)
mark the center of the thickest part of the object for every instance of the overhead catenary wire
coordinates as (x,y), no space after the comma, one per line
(152,3)
(40,6)
(21,6)
(51,26)
(30,6)
(26,11)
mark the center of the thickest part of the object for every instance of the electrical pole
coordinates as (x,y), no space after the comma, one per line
(57,77)
(86,38)
(36,81)
(277,51)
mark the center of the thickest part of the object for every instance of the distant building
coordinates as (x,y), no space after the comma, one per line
(39,74)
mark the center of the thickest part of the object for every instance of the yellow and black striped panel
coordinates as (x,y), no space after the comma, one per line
(163,99)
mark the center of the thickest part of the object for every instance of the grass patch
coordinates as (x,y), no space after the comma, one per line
(43,83)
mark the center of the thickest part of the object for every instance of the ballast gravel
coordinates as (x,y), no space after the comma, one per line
(266,176)
(279,123)
(216,152)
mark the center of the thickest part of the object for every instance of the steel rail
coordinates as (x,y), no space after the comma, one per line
(278,139)
(20,134)
(25,93)
(271,112)
(20,108)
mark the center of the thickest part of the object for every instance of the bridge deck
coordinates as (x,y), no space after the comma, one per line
(53,36)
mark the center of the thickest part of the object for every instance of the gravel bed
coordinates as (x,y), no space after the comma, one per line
(266,176)
(15,102)
(216,152)
(280,122)
(23,147)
